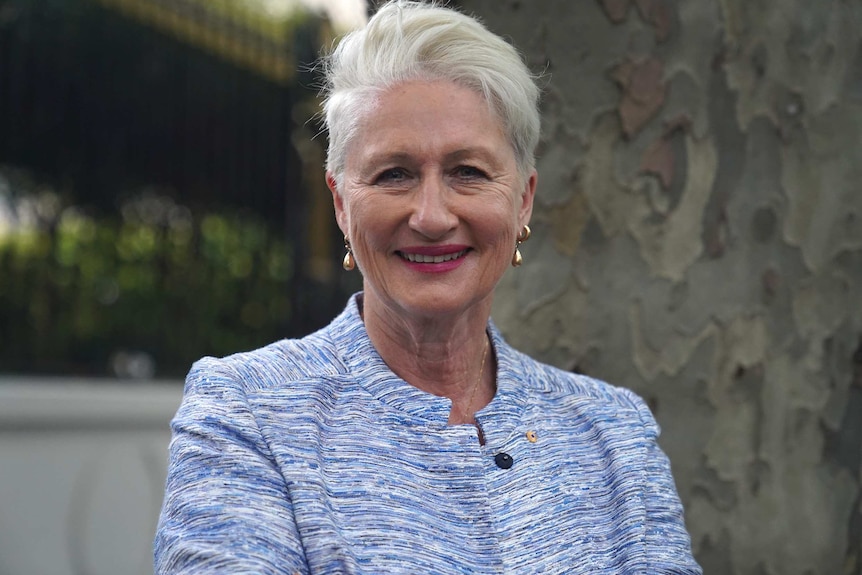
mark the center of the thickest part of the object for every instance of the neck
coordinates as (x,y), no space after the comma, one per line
(442,355)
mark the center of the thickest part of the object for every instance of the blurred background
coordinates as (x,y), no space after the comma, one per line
(160,187)
(161,199)
(697,238)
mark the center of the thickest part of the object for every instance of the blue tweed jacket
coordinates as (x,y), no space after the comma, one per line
(310,456)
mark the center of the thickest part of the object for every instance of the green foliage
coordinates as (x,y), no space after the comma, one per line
(156,280)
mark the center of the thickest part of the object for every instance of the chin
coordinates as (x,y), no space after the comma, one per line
(431,305)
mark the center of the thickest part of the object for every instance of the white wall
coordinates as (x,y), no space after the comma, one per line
(82,469)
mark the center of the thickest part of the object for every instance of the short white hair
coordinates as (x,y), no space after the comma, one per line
(408,40)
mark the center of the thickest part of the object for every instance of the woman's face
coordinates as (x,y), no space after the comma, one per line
(431,199)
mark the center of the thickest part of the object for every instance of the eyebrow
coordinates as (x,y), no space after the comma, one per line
(398,157)
(480,151)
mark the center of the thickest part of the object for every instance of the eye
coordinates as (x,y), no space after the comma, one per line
(469,172)
(392,175)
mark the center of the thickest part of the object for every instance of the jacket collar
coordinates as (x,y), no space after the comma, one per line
(498,419)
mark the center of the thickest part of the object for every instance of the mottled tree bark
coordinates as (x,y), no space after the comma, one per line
(698,238)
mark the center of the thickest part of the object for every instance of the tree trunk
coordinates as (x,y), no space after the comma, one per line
(698,238)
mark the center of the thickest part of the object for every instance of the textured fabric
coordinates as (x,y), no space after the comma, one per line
(310,456)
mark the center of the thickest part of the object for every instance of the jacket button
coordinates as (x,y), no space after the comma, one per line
(503,460)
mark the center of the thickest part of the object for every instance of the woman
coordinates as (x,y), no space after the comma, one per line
(407,436)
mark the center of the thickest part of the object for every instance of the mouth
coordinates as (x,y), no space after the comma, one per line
(429,259)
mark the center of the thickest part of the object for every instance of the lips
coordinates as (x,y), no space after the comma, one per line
(431,259)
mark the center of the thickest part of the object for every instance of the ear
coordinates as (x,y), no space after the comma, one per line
(337,202)
(527,195)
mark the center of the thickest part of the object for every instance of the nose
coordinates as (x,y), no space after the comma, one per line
(431,213)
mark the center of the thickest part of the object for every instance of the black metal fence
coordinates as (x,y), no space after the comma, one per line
(107,103)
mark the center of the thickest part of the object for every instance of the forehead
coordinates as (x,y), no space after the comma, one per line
(426,118)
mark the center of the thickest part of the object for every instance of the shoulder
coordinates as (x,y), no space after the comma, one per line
(310,357)
(555,380)
(575,391)
(314,357)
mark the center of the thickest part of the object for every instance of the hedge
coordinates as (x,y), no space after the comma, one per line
(140,292)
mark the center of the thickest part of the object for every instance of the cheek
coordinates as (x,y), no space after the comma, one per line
(370,224)
(500,220)
(354,212)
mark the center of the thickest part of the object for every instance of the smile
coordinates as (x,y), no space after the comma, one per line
(426,259)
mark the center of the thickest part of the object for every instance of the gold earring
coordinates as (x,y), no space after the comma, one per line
(347,263)
(523,236)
